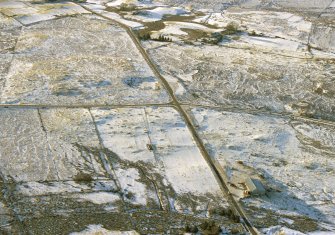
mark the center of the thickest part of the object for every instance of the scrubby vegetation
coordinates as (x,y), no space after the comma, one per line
(227,212)
(228,33)
(83,177)
(231,28)
(127,7)
(209,227)
(254,34)
(191,229)
(144,36)
(213,38)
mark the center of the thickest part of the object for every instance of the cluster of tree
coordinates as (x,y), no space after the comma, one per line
(162,38)
(147,36)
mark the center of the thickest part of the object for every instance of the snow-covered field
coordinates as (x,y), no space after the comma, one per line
(272,24)
(174,155)
(292,158)
(248,78)
(136,3)
(158,13)
(105,61)
(32,13)
(93,141)
(98,229)
(64,168)
(305,6)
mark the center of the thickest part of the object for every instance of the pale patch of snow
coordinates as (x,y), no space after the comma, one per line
(212,19)
(137,3)
(113,16)
(122,131)
(49,11)
(273,24)
(178,87)
(19,11)
(286,220)
(98,229)
(323,54)
(126,132)
(29,19)
(93,6)
(97,2)
(279,230)
(99,197)
(180,90)
(175,28)
(321,233)
(12,4)
(118,18)
(295,21)
(129,181)
(323,37)
(158,13)
(188,172)
(272,43)
(36,188)
(327,227)
(119,2)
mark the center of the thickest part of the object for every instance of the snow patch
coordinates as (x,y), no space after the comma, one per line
(99,229)
(49,11)
(287,153)
(137,3)
(279,230)
(158,13)
(93,6)
(127,132)
(272,24)
(274,43)
(100,197)
(118,18)
(129,181)
(175,28)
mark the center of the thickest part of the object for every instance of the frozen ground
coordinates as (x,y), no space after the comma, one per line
(292,158)
(53,165)
(248,78)
(63,65)
(150,117)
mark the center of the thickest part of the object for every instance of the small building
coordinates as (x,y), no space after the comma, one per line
(254,187)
